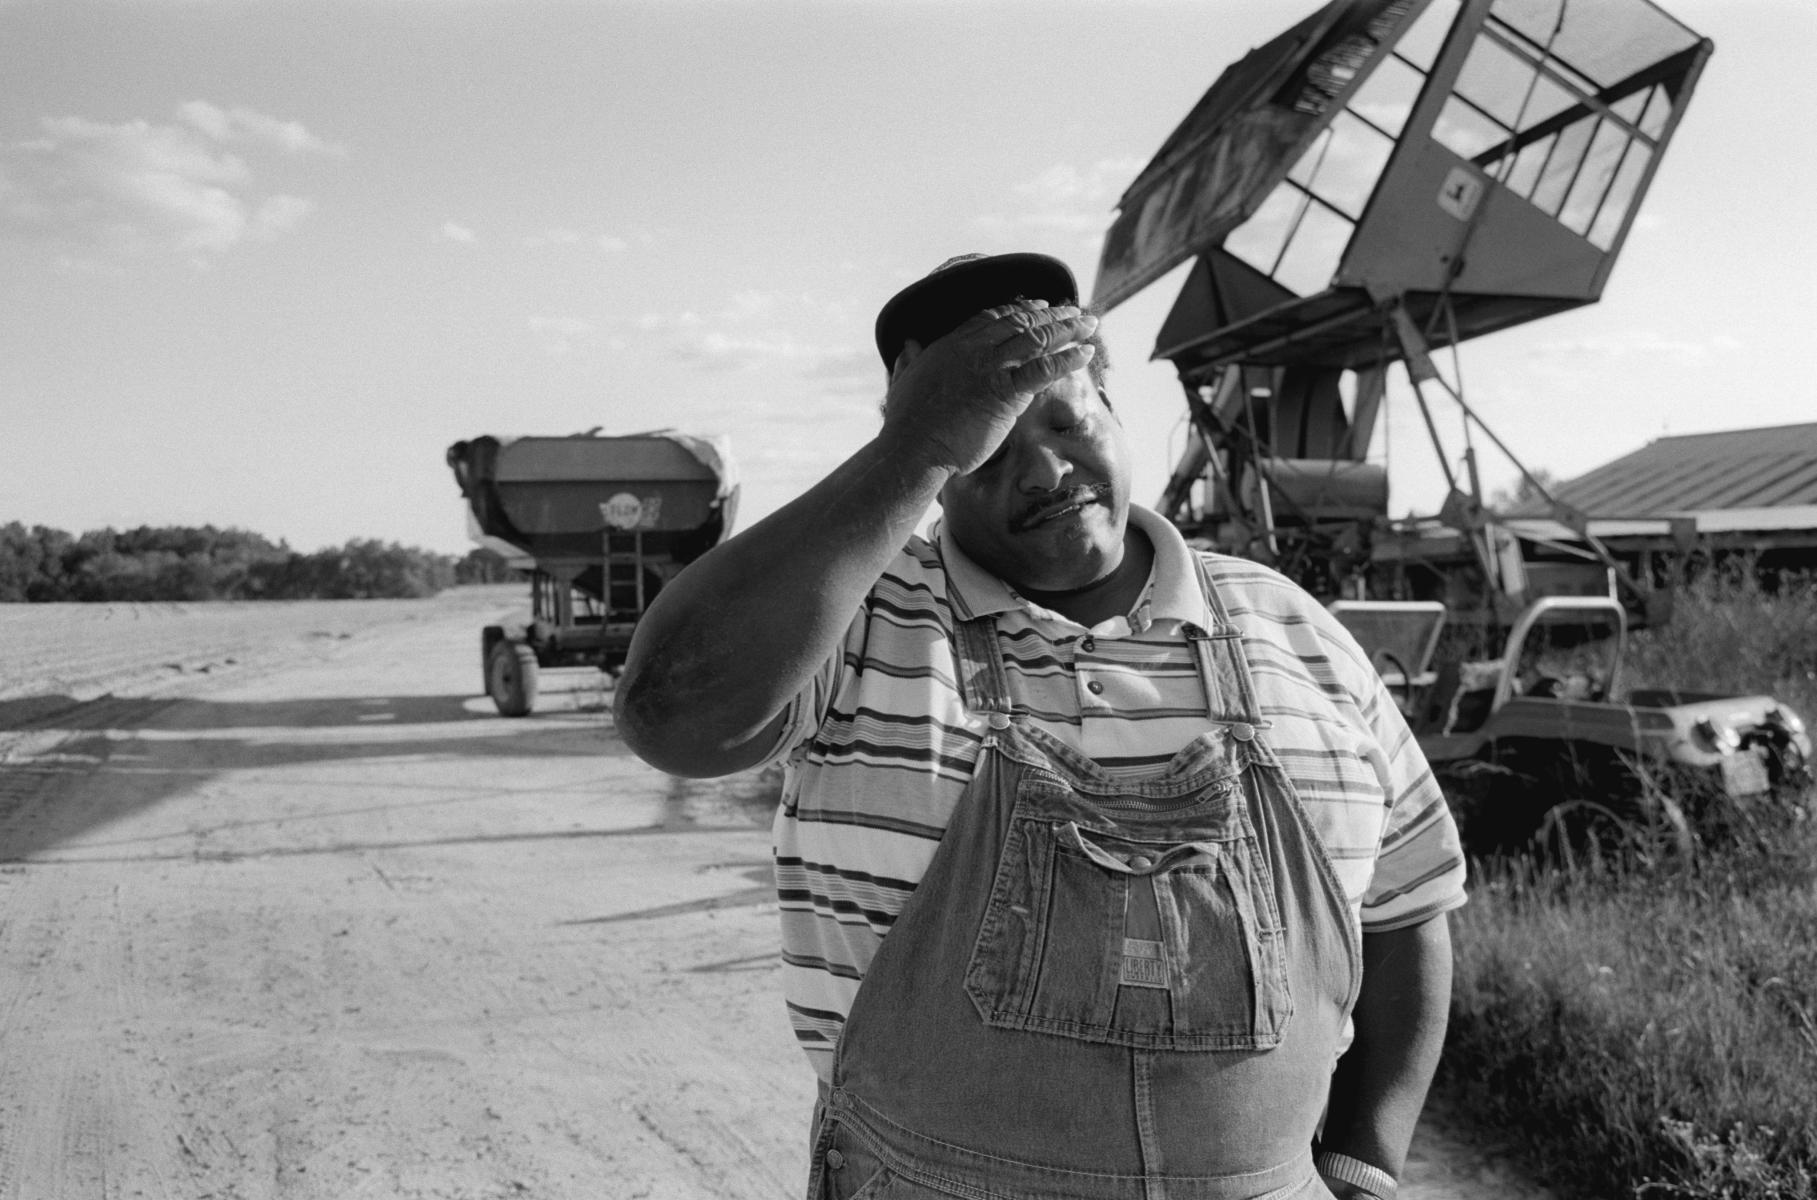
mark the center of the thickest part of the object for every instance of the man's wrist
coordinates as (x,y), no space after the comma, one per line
(1363,1181)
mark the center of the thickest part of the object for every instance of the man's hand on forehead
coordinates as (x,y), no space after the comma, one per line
(1027,331)
(956,399)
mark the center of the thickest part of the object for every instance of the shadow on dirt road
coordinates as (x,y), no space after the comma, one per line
(198,741)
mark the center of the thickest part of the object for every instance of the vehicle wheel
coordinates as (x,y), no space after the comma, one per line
(1646,830)
(1575,833)
(511,678)
(1490,805)
(489,638)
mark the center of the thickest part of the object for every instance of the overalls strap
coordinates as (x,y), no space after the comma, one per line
(1230,698)
(983,681)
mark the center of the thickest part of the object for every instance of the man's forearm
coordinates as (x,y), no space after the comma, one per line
(1380,1084)
(730,640)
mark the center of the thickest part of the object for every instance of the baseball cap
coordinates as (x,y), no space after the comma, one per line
(941,300)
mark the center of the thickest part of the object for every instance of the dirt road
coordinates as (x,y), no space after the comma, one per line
(314,922)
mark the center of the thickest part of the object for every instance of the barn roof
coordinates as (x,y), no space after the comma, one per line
(1728,471)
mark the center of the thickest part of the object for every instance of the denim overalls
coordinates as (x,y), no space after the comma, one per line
(1101,990)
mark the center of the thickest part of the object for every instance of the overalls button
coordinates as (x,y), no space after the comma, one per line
(1243,731)
(998,720)
(1088,645)
(1140,862)
(834,1160)
(1095,688)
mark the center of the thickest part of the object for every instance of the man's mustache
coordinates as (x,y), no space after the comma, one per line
(1057,501)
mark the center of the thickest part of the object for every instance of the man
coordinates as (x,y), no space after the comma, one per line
(1095,853)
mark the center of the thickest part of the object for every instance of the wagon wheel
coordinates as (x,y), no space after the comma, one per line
(511,678)
(489,639)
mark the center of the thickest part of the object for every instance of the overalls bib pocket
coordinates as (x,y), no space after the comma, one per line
(1144,932)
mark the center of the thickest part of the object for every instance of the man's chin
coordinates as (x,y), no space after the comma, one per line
(1070,551)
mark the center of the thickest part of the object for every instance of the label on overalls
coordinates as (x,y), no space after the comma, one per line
(1144,964)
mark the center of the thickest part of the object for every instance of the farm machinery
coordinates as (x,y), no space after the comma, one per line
(1539,737)
(601,524)
(1379,183)
(1385,180)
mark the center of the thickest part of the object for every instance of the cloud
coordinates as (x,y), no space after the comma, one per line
(1065,201)
(553,237)
(849,371)
(454,232)
(606,243)
(279,213)
(760,331)
(1646,343)
(1098,185)
(715,350)
(838,370)
(137,186)
(244,125)
(563,335)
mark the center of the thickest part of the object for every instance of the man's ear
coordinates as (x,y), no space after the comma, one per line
(905,356)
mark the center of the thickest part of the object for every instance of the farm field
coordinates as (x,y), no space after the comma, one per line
(287,909)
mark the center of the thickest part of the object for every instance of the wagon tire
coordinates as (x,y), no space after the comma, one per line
(489,638)
(511,678)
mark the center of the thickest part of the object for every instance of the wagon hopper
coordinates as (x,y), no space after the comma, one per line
(601,523)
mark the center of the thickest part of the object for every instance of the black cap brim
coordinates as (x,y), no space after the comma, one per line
(935,305)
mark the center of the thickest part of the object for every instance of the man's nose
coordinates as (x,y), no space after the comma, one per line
(1043,469)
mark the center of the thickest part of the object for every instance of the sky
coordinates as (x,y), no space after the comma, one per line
(263,261)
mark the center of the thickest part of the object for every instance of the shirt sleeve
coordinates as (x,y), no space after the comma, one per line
(1419,864)
(915,570)
(807,710)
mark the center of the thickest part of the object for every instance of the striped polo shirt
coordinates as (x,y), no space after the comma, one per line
(879,746)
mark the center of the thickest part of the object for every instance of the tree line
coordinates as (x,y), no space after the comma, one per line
(42,564)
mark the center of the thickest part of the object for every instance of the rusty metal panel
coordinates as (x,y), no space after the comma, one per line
(1242,137)
(1485,157)
(1410,241)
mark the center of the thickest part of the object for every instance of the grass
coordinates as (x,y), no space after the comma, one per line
(1648,1025)
(1646,1040)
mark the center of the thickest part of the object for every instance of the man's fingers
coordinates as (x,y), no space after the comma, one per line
(1002,320)
(1006,322)
(1025,345)
(1047,336)
(1039,372)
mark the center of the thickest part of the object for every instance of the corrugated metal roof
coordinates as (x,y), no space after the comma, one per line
(1774,467)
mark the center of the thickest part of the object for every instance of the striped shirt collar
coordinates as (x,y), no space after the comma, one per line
(1172,592)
